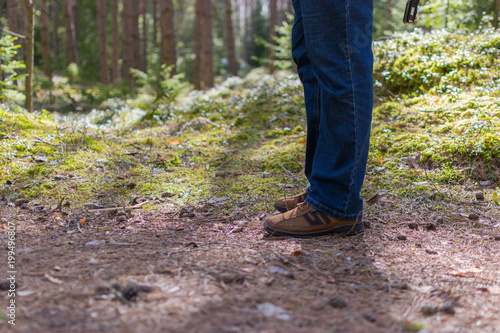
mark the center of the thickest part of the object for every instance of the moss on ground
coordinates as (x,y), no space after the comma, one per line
(436,130)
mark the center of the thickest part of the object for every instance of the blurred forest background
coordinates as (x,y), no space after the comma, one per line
(112,41)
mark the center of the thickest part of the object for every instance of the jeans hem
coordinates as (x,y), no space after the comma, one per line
(333,213)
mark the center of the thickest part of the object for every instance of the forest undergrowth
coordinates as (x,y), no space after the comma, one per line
(435,134)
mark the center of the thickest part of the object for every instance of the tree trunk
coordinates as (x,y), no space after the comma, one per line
(207,59)
(168,56)
(103,43)
(30,51)
(115,70)
(126,38)
(70,31)
(130,36)
(144,40)
(55,28)
(155,23)
(273,6)
(12,11)
(136,36)
(231,51)
(198,46)
(495,15)
(44,35)
(290,8)
(245,30)
(388,15)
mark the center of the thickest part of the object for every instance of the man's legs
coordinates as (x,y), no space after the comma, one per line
(310,83)
(338,37)
(332,48)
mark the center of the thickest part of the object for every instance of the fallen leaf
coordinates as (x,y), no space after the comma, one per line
(297,253)
(172,141)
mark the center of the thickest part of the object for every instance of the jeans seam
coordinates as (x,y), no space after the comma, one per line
(318,104)
(356,145)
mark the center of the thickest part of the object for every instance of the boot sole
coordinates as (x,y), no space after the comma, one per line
(346,230)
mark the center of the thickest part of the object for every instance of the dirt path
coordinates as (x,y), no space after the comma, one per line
(186,271)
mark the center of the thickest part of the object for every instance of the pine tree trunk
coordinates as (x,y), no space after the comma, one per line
(231,52)
(207,58)
(12,11)
(495,15)
(136,36)
(55,28)
(103,43)
(245,31)
(198,46)
(388,15)
(70,31)
(290,8)
(126,38)
(115,69)
(130,36)
(144,40)
(44,36)
(155,23)
(168,56)
(272,33)
(30,51)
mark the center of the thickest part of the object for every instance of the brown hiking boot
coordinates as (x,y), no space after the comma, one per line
(288,203)
(306,221)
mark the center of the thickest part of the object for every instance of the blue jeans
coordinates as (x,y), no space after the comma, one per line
(332,42)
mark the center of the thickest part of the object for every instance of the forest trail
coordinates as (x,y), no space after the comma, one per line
(185,271)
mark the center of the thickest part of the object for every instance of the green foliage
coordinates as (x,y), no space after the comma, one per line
(73,72)
(9,91)
(158,90)
(161,84)
(438,107)
(282,48)
(456,14)
(438,61)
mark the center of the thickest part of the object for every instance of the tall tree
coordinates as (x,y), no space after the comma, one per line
(130,37)
(273,7)
(388,15)
(103,43)
(115,70)
(44,36)
(12,11)
(231,50)
(203,75)
(136,37)
(207,59)
(30,51)
(155,22)
(144,40)
(168,56)
(55,29)
(198,45)
(495,15)
(69,19)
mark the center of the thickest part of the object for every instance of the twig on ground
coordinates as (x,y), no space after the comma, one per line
(116,208)
(58,208)
(47,143)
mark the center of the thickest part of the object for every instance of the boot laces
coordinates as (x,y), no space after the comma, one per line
(302,205)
